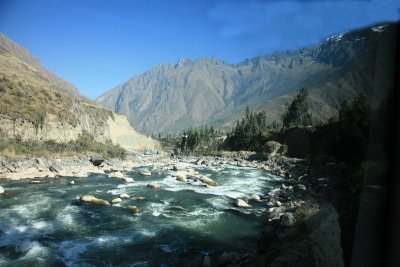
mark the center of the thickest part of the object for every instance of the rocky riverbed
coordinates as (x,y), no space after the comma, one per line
(292,219)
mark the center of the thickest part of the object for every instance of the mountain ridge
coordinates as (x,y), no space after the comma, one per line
(172,97)
(39,106)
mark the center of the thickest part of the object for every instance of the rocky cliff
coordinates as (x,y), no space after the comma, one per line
(38,105)
(195,92)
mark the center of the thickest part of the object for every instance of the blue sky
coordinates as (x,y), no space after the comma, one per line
(98,44)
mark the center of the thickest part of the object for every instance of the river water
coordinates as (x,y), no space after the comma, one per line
(45,225)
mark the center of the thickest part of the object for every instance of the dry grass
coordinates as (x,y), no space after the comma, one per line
(8,153)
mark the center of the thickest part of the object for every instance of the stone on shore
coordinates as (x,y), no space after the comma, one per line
(1,190)
(55,168)
(287,219)
(116,200)
(94,200)
(153,185)
(208,181)
(134,209)
(240,203)
(9,167)
(124,196)
(96,160)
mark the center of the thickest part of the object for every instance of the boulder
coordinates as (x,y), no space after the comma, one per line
(94,200)
(71,183)
(141,198)
(96,160)
(273,148)
(201,161)
(255,198)
(177,208)
(116,200)
(116,174)
(180,176)
(1,190)
(287,219)
(145,173)
(134,209)
(153,185)
(208,181)
(124,196)
(55,168)
(240,203)
(128,180)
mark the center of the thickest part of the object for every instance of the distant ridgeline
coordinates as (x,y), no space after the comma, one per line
(171,98)
(36,105)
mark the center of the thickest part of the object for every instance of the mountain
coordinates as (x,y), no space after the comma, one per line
(38,105)
(171,97)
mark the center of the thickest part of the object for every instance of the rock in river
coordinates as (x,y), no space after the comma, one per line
(94,200)
(242,204)
(116,200)
(128,180)
(134,209)
(180,176)
(208,181)
(145,173)
(116,174)
(124,196)
(1,190)
(177,208)
(153,185)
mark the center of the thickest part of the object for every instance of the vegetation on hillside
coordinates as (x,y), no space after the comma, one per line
(297,113)
(249,133)
(84,144)
(200,140)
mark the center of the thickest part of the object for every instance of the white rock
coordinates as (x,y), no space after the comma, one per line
(128,180)
(1,190)
(255,197)
(145,173)
(124,196)
(153,185)
(117,174)
(94,200)
(180,176)
(242,204)
(116,200)
(71,183)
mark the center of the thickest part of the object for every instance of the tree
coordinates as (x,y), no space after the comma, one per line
(297,113)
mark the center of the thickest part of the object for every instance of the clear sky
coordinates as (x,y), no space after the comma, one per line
(98,44)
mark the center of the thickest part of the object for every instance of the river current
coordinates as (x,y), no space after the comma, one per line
(45,225)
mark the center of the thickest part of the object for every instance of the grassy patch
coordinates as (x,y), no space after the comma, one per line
(85,143)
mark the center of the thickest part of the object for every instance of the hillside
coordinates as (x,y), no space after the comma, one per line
(170,97)
(38,105)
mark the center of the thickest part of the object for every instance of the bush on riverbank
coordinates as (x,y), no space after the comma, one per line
(84,144)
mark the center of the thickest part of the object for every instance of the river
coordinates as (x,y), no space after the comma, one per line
(45,225)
